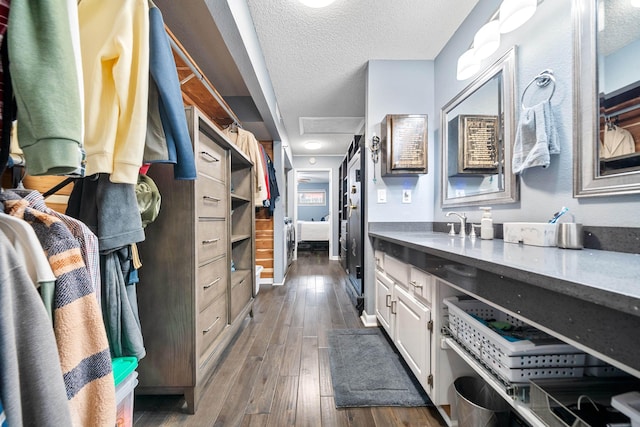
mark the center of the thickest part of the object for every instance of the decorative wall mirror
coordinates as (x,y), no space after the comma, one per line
(607,98)
(478,130)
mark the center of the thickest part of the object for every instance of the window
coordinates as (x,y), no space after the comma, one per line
(312,198)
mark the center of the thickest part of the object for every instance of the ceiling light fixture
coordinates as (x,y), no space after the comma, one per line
(487,39)
(312,145)
(635,3)
(514,13)
(468,65)
(316,3)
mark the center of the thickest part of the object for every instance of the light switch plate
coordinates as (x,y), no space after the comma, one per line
(382,195)
(406,196)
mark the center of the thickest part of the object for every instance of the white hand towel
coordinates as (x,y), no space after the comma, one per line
(536,138)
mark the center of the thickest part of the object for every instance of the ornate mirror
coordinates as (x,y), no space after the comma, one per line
(607,97)
(477,137)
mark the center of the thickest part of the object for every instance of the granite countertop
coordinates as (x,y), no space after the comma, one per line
(610,279)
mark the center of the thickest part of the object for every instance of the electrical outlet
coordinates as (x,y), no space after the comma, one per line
(406,196)
(382,195)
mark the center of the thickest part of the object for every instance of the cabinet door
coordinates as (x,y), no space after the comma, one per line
(384,287)
(412,336)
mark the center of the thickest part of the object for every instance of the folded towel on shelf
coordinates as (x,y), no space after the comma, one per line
(536,138)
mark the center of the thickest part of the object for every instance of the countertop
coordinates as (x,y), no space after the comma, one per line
(610,279)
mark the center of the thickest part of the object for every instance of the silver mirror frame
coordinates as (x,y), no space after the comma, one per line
(587,181)
(507,65)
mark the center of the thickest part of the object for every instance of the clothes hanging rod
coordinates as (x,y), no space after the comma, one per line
(621,111)
(202,79)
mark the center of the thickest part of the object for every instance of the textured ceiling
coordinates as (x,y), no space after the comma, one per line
(317,57)
(622,26)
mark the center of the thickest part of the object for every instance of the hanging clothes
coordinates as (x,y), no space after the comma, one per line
(45,82)
(617,142)
(111,211)
(28,248)
(87,240)
(274,193)
(78,325)
(32,390)
(248,144)
(263,159)
(114,38)
(168,139)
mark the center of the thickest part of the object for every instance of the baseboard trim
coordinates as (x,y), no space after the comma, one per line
(334,258)
(369,320)
(277,284)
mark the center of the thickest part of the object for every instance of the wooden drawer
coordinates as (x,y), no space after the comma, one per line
(210,323)
(211,198)
(212,281)
(397,270)
(241,291)
(421,284)
(211,158)
(211,240)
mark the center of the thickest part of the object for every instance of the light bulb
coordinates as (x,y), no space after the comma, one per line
(487,39)
(468,65)
(514,13)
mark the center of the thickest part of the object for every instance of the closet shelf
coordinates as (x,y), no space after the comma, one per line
(237,199)
(239,238)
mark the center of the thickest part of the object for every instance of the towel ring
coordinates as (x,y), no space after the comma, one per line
(541,80)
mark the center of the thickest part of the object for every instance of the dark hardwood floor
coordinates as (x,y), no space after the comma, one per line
(276,372)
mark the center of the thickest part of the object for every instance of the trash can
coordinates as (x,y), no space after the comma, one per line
(479,405)
(257,283)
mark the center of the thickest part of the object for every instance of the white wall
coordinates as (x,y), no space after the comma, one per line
(546,41)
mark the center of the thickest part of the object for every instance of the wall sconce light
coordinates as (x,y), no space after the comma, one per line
(511,15)
(487,39)
(316,3)
(514,13)
(468,65)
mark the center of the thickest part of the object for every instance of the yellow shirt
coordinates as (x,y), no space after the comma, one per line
(114,38)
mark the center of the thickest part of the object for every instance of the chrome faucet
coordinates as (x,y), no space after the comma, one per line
(463,222)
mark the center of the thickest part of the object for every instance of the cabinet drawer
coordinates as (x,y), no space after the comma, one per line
(241,291)
(211,199)
(397,269)
(212,281)
(210,323)
(211,158)
(421,284)
(211,240)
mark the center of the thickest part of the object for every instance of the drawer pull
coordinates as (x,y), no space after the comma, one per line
(211,327)
(209,241)
(413,283)
(388,302)
(210,199)
(393,307)
(210,156)
(211,284)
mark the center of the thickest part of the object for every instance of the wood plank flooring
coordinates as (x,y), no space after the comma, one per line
(276,371)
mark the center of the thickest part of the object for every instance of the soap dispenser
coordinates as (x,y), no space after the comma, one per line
(486,224)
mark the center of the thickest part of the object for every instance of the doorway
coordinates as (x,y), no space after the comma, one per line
(313,209)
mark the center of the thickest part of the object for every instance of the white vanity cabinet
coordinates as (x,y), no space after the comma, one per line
(406,318)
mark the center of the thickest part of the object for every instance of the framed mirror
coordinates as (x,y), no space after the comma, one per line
(478,129)
(607,98)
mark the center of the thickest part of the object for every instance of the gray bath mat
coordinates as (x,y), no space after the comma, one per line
(366,371)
